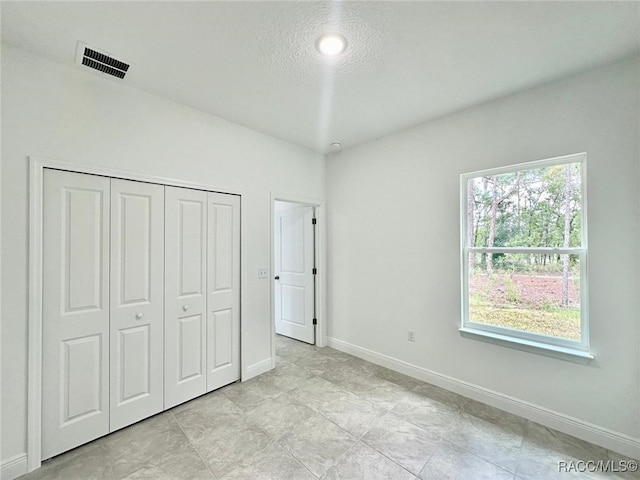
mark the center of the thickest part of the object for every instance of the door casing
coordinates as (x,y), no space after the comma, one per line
(320,265)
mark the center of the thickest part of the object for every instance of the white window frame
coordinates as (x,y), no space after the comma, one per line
(517,338)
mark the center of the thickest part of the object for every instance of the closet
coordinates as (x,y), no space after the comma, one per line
(141,301)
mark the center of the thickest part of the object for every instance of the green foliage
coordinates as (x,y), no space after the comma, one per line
(529,303)
(563,323)
(512,290)
(530,208)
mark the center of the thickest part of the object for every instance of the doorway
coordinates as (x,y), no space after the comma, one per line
(296,271)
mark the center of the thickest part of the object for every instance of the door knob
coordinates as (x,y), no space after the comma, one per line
(139,315)
(277,277)
(185,308)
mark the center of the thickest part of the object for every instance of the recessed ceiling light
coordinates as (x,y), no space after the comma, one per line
(336,145)
(331,44)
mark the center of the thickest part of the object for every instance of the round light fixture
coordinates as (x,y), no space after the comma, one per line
(336,145)
(331,44)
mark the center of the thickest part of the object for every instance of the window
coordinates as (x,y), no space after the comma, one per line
(524,254)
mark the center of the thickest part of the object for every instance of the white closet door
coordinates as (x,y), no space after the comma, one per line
(75,336)
(137,301)
(223,317)
(185,295)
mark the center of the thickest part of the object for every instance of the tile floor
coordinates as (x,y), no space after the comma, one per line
(324,414)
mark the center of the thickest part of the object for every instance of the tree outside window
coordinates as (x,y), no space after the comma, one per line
(524,251)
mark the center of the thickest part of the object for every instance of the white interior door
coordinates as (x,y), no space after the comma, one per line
(75,323)
(185,295)
(137,301)
(294,282)
(223,304)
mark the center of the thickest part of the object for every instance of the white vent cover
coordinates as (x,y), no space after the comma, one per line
(102,61)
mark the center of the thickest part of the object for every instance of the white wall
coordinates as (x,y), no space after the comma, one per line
(393,242)
(59,112)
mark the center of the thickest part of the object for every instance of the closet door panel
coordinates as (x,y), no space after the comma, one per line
(185,294)
(223,316)
(221,338)
(137,306)
(75,367)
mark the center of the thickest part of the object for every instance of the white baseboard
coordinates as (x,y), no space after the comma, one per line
(257,369)
(13,467)
(604,437)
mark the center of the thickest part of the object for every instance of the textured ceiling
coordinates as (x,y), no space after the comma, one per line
(254,63)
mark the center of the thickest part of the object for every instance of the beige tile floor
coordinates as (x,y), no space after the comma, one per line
(325,414)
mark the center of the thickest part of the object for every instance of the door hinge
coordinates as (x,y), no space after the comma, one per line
(313,221)
(315,321)
(314,271)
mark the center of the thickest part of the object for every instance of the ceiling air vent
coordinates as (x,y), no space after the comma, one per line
(101,61)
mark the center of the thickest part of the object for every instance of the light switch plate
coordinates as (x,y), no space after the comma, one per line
(263,273)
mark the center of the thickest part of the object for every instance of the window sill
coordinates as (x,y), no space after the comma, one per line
(563,353)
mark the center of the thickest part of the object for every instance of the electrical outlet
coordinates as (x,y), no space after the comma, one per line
(411,336)
(262,273)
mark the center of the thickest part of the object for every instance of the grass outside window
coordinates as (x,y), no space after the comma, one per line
(523,251)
